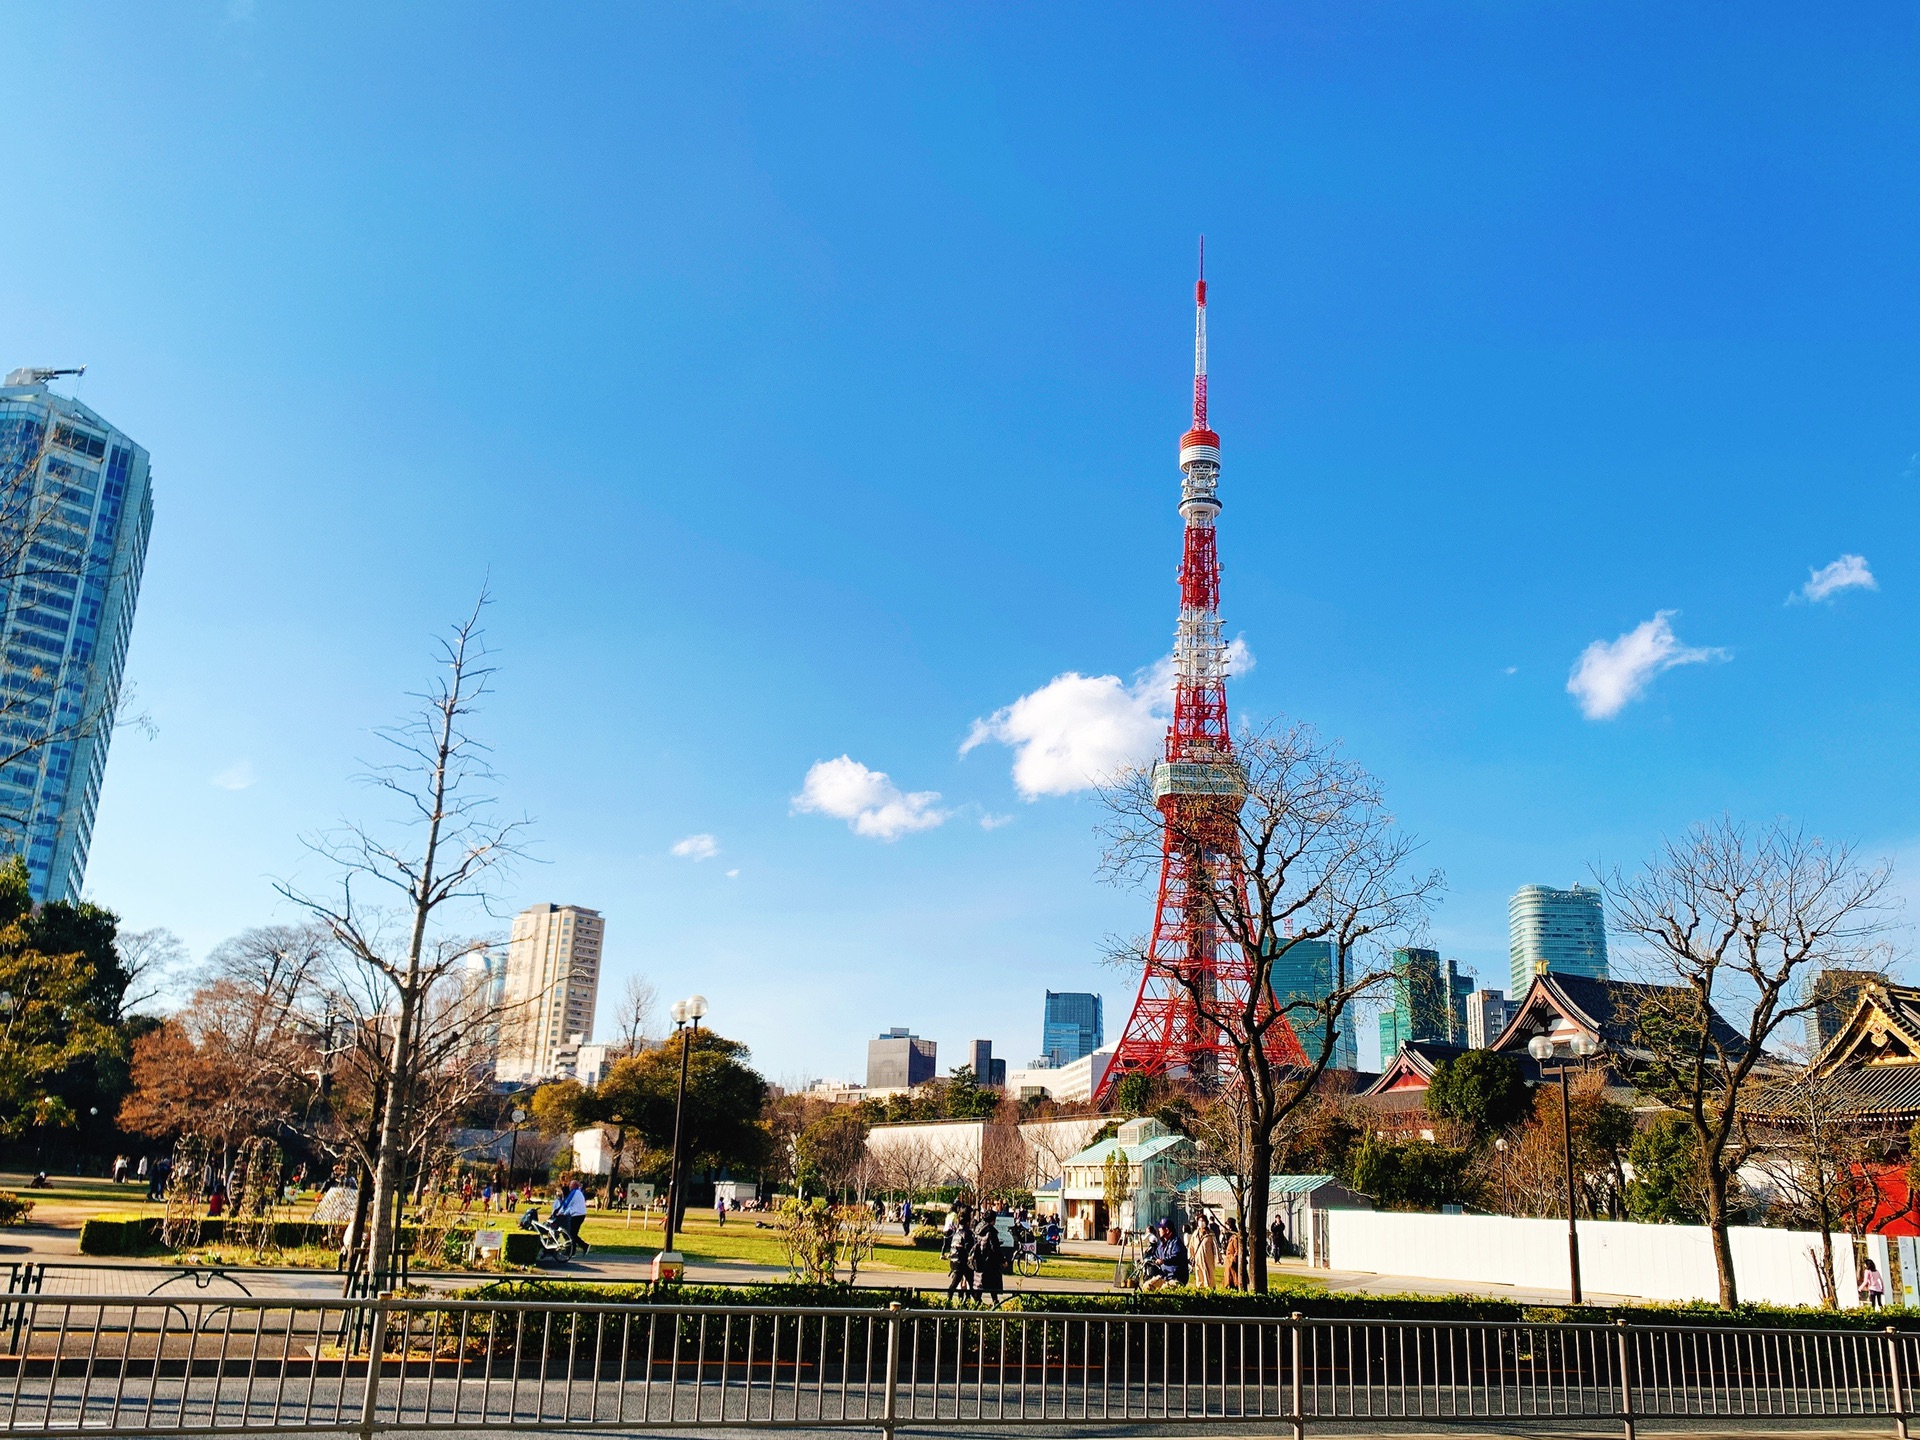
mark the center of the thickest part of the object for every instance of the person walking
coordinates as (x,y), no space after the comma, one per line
(1873,1285)
(959,1252)
(1206,1255)
(989,1260)
(570,1209)
(1235,1256)
(1276,1238)
(906,1219)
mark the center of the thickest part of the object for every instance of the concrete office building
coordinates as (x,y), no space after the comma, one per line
(1487,1014)
(899,1060)
(1073,1027)
(552,987)
(1564,931)
(74,522)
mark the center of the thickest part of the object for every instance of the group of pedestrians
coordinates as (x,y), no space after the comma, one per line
(976,1258)
(1207,1252)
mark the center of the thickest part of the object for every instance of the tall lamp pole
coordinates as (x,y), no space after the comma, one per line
(668,1264)
(1542,1049)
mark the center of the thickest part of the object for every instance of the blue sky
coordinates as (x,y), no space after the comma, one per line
(807,380)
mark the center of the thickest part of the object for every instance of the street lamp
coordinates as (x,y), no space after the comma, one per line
(1542,1050)
(513,1143)
(687,1013)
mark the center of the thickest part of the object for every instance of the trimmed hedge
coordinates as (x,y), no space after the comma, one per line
(132,1234)
(1309,1301)
(140,1235)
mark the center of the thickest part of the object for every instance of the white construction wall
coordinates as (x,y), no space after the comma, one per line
(1646,1262)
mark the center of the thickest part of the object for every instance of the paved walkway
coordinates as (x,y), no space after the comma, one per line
(58,1242)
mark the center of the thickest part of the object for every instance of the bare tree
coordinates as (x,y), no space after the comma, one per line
(154,961)
(1312,855)
(1823,1160)
(1733,924)
(446,851)
(636,1016)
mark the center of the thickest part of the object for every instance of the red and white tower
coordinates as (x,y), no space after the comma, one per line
(1199,787)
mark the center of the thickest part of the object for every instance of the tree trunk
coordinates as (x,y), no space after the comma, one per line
(1722,1246)
(386,1174)
(1253,1242)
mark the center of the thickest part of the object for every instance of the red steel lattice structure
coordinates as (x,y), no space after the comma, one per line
(1199,787)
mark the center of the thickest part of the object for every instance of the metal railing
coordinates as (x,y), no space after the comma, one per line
(198,1365)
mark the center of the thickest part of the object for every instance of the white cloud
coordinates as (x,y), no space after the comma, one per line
(867,800)
(1612,672)
(733,874)
(697,847)
(994,822)
(1077,730)
(237,776)
(1849,572)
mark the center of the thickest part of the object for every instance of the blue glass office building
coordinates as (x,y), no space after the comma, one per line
(75,513)
(1305,971)
(1073,1027)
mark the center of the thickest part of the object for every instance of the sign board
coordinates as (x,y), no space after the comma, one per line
(639,1192)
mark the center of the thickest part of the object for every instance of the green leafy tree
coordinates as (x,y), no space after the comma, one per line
(1667,1186)
(1135,1094)
(1414,1174)
(49,1027)
(963,1097)
(557,1108)
(725,1101)
(1482,1089)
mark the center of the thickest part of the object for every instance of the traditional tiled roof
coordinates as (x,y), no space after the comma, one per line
(1871,1066)
(1413,1066)
(1608,1010)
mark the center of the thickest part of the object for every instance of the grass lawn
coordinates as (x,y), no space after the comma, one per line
(704,1240)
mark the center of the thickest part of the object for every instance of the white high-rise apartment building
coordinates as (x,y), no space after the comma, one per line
(553,983)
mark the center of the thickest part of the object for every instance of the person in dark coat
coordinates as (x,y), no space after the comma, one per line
(959,1252)
(989,1261)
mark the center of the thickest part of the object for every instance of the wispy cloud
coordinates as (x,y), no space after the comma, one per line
(697,847)
(1077,730)
(867,800)
(994,822)
(733,874)
(1611,673)
(237,776)
(1849,572)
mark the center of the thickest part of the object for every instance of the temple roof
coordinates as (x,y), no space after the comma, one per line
(1606,1011)
(1871,1066)
(1412,1068)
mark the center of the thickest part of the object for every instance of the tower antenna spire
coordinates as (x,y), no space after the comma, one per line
(1200,342)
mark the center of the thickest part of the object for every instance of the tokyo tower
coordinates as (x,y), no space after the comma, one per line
(1198,787)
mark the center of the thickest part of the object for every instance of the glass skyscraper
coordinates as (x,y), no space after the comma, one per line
(1429,1002)
(1073,1027)
(1304,971)
(76,509)
(1564,931)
